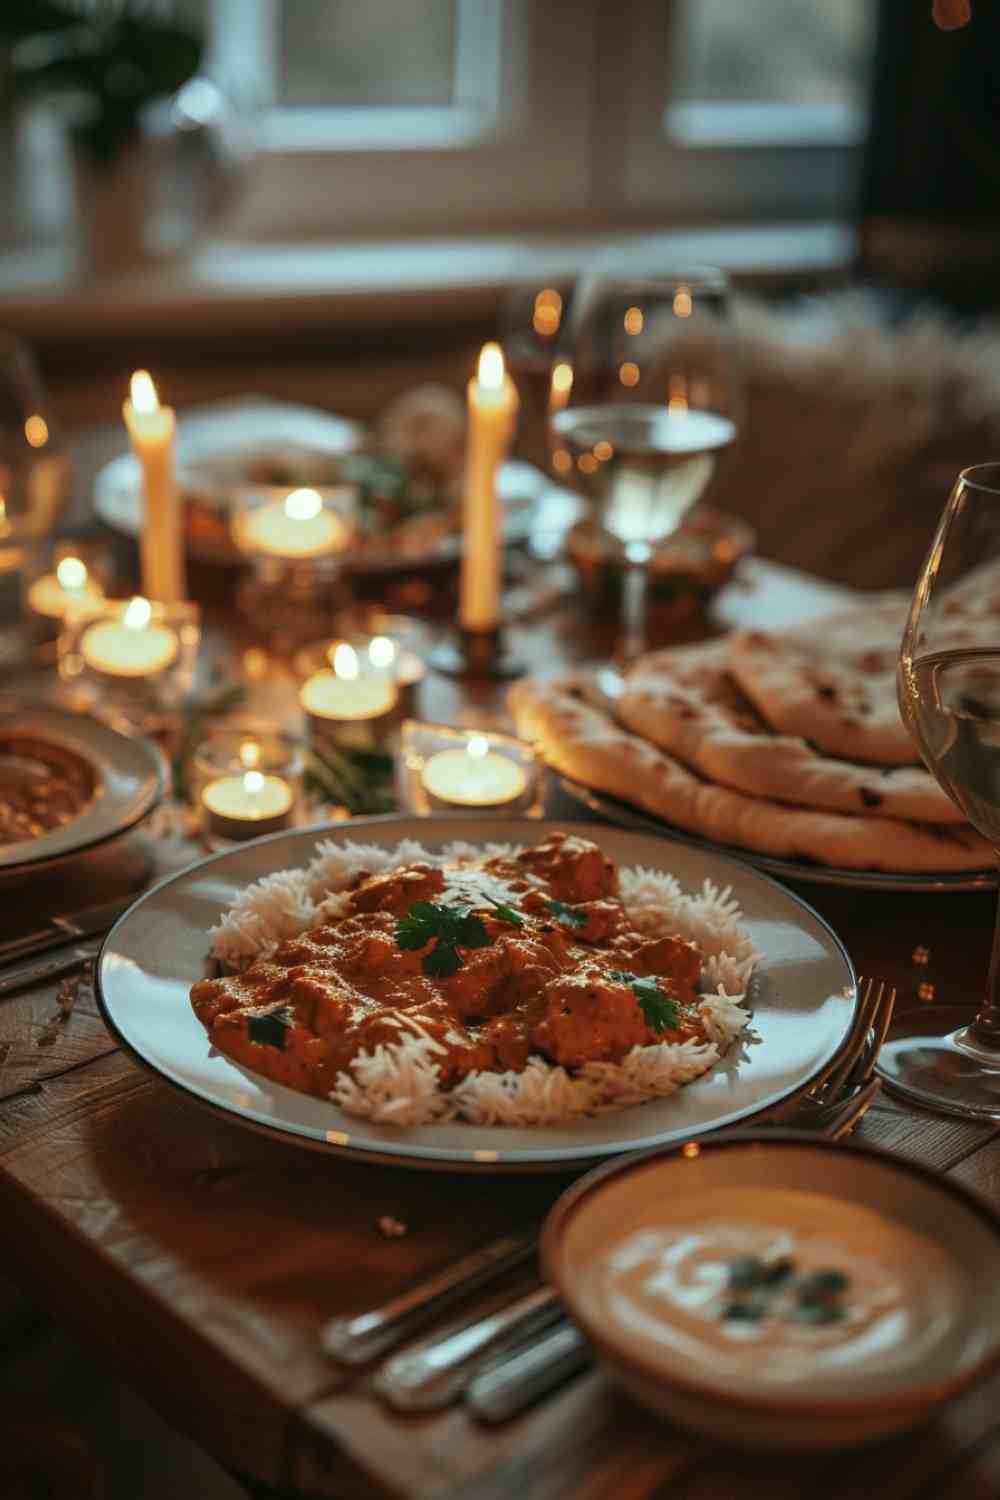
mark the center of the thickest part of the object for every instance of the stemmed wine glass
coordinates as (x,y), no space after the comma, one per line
(643,405)
(949,695)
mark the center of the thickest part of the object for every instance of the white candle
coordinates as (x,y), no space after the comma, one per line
(151,428)
(247,806)
(474,777)
(132,646)
(492,405)
(298,527)
(346,693)
(69,589)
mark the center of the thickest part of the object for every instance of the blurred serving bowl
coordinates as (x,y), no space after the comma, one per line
(646,1255)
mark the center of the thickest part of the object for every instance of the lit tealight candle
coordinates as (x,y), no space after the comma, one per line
(347,693)
(247,806)
(132,646)
(474,777)
(69,589)
(298,527)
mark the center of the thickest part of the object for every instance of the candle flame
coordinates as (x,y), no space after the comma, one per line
(491,368)
(253,781)
(381,651)
(634,320)
(345,662)
(682,303)
(478,746)
(143,392)
(36,430)
(138,613)
(561,385)
(71,573)
(250,754)
(302,505)
(548,312)
(678,398)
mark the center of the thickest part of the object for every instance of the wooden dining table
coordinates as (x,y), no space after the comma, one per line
(203,1259)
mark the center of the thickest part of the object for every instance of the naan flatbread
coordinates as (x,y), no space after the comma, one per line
(589,746)
(684,701)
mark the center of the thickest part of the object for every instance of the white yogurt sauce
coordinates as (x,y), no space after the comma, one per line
(907,1306)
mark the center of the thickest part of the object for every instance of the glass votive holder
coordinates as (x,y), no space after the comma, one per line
(350,704)
(383,652)
(294,541)
(441,769)
(246,782)
(68,577)
(132,662)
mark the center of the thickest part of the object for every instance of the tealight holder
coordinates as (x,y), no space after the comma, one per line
(132,662)
(441,769)
(348,703)
(246,782)
(294,541)
(66,578)
(386,651)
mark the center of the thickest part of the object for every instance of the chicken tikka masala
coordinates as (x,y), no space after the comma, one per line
(494,959)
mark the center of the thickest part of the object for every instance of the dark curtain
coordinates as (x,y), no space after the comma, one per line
(930,186)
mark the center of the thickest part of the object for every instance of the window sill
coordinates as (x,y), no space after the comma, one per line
(228,288)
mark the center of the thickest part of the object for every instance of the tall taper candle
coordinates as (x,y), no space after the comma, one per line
(151,429)
(492,404)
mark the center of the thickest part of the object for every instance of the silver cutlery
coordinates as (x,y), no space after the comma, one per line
(355,1340)
(434,1373)
(68,928)
(48,968)
(511,1384)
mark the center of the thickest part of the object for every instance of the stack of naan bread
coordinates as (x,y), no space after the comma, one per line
(786,744)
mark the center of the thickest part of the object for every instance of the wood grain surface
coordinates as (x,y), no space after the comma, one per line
(203,1259)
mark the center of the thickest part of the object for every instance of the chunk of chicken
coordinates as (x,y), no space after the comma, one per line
(589,1017)
(574,869)
(398,890)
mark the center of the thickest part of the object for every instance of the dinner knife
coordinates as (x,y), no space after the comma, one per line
(68,928)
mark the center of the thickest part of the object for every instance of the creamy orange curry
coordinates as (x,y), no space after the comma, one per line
(496,960)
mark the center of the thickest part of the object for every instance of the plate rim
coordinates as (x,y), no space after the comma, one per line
(437,1158)
(614,810)
(66,728)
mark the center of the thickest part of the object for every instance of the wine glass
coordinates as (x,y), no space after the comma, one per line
(642,407)
(949,695)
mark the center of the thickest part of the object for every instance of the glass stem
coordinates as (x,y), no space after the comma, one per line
(637,555)
(986,1026)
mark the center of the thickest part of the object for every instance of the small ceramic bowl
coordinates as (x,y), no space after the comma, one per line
(633,1250)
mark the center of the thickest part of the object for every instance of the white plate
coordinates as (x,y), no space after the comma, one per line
(130,775)
(804,996)
(214,440)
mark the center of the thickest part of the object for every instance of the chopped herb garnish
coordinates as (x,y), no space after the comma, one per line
(744,1274)
(451,926)
(504,913)
(660,1010)
(568,916)
(822,1285)
(745,1312)
(271,1029)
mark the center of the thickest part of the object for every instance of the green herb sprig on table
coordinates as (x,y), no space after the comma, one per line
(360,780)
(659,1009)
(453,927)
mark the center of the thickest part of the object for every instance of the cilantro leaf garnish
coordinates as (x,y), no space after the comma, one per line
(567,916)
(659,1010)
(451,926)
(271,1029)
(506,913)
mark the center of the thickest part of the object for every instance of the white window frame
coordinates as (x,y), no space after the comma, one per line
(561,119)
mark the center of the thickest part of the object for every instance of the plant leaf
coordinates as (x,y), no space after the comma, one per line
(271,1029)
(567,916)
(659,1009)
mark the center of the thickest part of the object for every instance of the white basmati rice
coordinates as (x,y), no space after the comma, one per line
(397,1083)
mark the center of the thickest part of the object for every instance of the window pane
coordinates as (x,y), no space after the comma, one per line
(779,51)
(384,52)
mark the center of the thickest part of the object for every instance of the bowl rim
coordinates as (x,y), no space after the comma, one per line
(917,1397)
